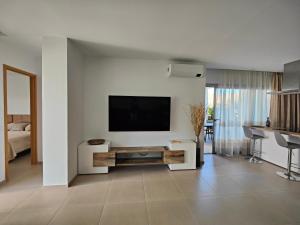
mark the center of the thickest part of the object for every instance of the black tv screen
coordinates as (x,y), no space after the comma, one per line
(137,113)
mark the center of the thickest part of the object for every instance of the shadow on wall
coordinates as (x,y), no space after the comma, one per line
(104,50)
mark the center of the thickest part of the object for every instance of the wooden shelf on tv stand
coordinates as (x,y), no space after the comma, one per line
(125,156)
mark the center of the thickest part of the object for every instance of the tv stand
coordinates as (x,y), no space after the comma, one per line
(137,156)
(178,155)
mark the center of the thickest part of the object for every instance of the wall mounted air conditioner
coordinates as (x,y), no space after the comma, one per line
(186,70)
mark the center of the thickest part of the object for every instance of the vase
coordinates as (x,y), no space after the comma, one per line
(268,122)
(199,153)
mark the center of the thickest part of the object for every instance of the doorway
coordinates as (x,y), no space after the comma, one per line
(209,123)
(20,116)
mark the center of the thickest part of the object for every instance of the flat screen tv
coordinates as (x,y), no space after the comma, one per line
(137,113)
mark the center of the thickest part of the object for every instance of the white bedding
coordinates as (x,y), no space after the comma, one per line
(18,141)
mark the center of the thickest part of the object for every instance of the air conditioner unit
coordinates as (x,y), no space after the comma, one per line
(186,70)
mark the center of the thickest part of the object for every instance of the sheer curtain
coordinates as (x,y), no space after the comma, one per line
(241,99)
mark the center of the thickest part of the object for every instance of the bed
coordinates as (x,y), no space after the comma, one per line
(18,140)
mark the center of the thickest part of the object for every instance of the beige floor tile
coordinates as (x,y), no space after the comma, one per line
(263,182)
(224,170)
(124,214)
(3,216)
(90,179)
(161,190)
(256,211)
(233,211)
(126,191)
(252,183)
(282,184)
(90,193)
(126,174)
(182,174)
(194,187)
(156,173)
(9,200)
(225,186)
(214,161)
(211,211)
(173,212)
(78,215)
(286,202)
(47,197)
(264,168)
(211,172)
(24,183)
(30,217)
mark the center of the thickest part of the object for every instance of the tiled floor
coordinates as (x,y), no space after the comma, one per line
(224,192)
(22,175)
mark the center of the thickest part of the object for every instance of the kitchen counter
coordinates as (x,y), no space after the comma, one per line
(281,130)
(274,153)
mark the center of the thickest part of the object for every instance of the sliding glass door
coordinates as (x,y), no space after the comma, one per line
(240,101)
(209,125)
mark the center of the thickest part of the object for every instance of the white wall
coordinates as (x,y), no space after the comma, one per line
(14,55)
(55,111)
(113,76)
(75,107)
(18,93)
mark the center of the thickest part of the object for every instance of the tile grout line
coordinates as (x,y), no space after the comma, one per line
(146,204)
(15,207)
(57,210)
(176,185)
(186,197)
(106,198)
(101,214)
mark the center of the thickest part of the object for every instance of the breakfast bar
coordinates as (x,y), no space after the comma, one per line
(272,152)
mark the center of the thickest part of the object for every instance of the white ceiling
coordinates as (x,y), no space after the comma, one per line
(235,34)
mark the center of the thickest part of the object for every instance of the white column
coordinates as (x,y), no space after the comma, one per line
(55,111)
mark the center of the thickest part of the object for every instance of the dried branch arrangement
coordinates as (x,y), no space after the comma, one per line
(197,118)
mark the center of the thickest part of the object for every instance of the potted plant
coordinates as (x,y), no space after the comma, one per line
(197,120)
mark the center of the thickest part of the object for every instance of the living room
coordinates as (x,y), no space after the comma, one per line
(122,119)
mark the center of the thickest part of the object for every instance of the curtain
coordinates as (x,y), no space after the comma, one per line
(275,104)
(241,99)
(285,108)
(290,112)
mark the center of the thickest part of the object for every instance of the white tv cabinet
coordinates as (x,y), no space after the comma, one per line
(189,147)
(85,157)
(180,155)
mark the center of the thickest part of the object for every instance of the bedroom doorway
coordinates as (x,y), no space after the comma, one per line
(21,122)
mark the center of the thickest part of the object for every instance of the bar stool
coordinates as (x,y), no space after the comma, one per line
(281,141)
(255,153)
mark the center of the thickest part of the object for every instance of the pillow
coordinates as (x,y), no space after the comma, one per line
(9,126)
(19,126)
(28,127)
